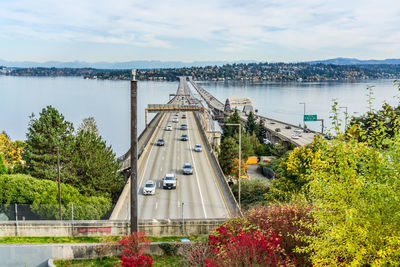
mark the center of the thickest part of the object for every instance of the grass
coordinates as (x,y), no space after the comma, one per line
(86,239)
(159,260)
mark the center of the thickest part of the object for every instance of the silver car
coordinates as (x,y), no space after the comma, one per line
(197,148)
(149,188)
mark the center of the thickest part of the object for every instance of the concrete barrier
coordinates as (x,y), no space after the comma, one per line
(104,227)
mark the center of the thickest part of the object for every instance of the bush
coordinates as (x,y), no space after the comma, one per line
(134,246)
(252,192)
(42,196)
(247,246)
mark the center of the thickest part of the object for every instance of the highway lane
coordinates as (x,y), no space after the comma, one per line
(199,192)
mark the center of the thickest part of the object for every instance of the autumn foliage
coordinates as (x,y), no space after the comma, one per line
(134,246)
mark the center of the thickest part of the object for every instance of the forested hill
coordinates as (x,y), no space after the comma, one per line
(235,72)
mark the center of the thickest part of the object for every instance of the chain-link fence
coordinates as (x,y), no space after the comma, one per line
(29,212)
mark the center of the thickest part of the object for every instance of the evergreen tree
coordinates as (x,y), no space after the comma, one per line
(262,132)
(94,163)
(45,134)
(228,152)
(231,130)
(251,124)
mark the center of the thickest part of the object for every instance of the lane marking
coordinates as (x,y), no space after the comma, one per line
(212,169)
(148,156)
(197,177)
(156,204)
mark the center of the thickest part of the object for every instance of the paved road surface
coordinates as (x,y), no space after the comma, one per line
(199,192)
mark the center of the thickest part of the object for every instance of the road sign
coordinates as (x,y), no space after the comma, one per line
(310,117)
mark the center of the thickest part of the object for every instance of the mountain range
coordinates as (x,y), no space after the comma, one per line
(156,64)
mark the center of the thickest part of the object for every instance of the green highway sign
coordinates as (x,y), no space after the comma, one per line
(310,117)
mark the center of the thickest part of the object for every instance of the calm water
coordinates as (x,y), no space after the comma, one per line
(281,100)
(76,99)
(108,101)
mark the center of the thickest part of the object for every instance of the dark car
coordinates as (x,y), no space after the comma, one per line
(288,127)
(187,168)
(277,129)
(184,137)
(160,142)
(183,126)
(184,116)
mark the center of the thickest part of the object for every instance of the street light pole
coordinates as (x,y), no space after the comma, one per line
(304,122)
(240,152)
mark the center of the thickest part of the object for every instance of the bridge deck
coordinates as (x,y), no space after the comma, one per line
(271,124)
(200,192)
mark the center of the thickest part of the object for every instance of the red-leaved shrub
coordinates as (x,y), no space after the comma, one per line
(283,219)
(134,246)
(245,247)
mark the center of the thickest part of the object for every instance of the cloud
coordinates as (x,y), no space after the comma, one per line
(228,26)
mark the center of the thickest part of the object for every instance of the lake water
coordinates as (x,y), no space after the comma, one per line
(108,101)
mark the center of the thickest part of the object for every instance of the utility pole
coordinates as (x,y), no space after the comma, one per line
(59,183)
(134,196)
(304,122)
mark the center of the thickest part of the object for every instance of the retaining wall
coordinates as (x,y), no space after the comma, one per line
(104,227)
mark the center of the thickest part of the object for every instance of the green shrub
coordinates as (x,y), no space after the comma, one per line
(42,196)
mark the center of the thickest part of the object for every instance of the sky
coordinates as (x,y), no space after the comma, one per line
(201,30)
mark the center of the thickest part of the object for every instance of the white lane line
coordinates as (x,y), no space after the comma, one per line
(148,157)
(197,177)
(179,204)
(156,204)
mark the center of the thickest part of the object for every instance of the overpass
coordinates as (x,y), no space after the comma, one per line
(203,195)
(285,132)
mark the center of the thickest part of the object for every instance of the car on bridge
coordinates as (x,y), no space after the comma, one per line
(277,129)
(288,127)
(160,142)
(175,119)
(184,126)
(295,136)
(197,148)
(187,168)
(149,188)
(184,116)
(169,181)
(168,128)
(184,137)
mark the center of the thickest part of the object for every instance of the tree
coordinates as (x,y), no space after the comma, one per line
(262,131)
(3,168)
(45,134)
(251,124)
(231,130)
(11,151)
(228,152)
(89,125)
(355,191)
(94,164)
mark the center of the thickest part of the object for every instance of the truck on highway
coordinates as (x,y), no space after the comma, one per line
(169,181)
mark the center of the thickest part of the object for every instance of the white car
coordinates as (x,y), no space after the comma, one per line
(168,128)
(295,136)
(175,119)
(197,148)
(169,181)
(149,188)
